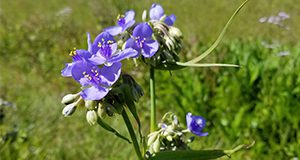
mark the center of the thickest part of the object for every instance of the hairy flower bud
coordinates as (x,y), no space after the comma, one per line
(91,117)
(169,138)
(69,98)
(144,15)
(152,137)
(175,32)
(156,145)
(90,104)
(69,109)
(136,90)
(101,111)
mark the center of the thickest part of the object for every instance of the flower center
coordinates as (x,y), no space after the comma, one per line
(199,123)
(93,76)
(140,41)
(121,20)
(105,48)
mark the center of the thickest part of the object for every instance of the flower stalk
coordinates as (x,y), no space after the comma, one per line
(152,101)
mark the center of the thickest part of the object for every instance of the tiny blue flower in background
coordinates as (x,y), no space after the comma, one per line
(157,12)
(142,41)
(124,22)
(196,124)
(96,81)
(105,51)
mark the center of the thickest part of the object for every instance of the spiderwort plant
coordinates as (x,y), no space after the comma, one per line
(106,91)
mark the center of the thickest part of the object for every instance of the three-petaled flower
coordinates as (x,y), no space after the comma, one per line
(142,41)
(157,14)
(124,22)
(196,124)
(104,49)
(96,81)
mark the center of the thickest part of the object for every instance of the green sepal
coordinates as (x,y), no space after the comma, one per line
(110,129)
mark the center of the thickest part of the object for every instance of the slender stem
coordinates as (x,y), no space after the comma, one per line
(132,135)
(153,105)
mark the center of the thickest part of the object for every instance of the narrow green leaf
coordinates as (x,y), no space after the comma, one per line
(199,154)
(131,106)
(207,65)
(218,40)
(110,129)
(189,155)
(132,134)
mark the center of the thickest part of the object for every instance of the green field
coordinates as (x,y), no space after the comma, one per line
(258,102)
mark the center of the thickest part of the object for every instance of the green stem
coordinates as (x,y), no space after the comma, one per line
(153,105)
(132,135)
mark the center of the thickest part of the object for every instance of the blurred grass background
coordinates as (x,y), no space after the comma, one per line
(259,101)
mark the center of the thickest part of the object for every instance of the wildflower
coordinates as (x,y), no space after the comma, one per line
(96,81)
(78,56)
(142,41)
(196,124)
(157,13)
(104,49)
(124,22)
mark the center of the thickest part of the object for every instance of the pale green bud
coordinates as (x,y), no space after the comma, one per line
(169,138)
(152,137)
(101,111)
(156,145)
(90,105)
(169,41)
(69,98)
(69,109)
(144,15)
(91,117)
(168,131)
(175,32)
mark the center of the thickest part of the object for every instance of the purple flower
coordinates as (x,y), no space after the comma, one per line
(96,81)
(157,13)
(142,41)
(78,56)
(196,124)
(105,50)
(124,22)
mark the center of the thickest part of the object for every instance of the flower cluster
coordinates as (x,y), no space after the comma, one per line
(172,136)
(98,68)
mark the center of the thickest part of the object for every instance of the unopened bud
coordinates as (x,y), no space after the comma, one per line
(152,137)
(144,15)
(69,98)
(169,41)
(156,145)
(69,109)
(175,32)
(168,131)
(91,117)
(101,111)
(90,105)
(169,138)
